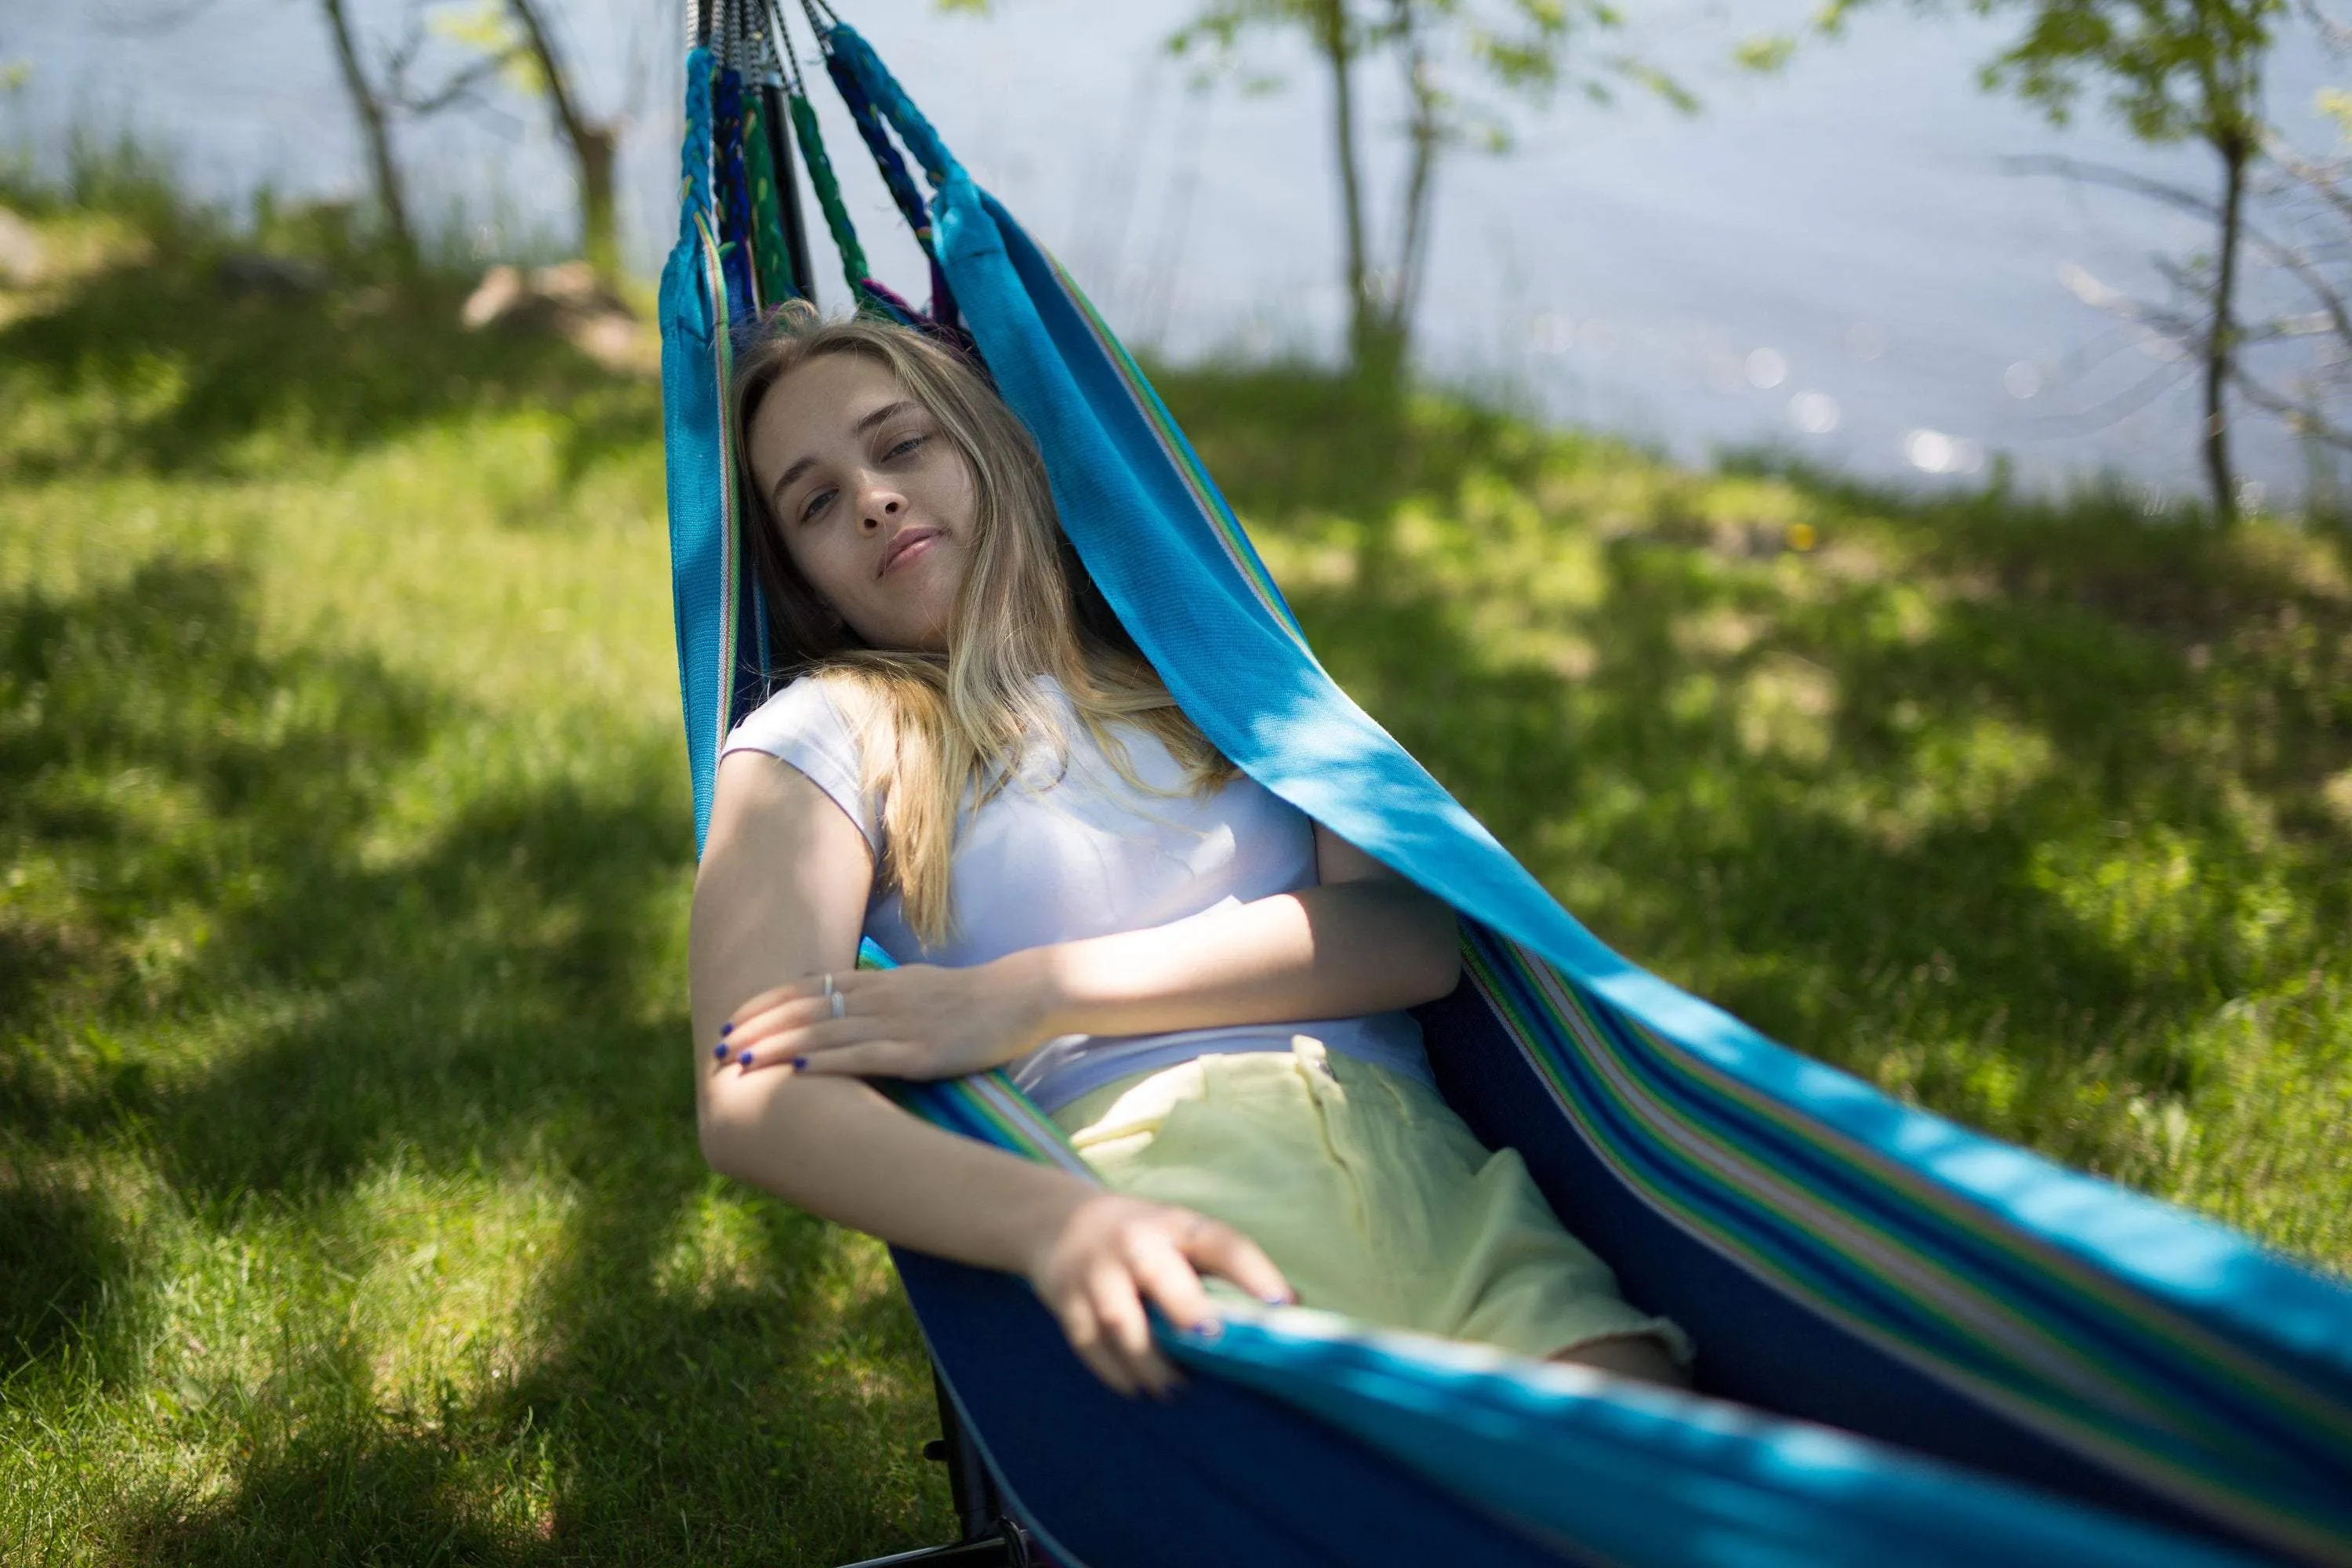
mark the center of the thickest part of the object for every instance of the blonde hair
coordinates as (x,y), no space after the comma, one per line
(942,729)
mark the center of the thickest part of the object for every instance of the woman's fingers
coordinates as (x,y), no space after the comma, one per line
(812,1039)
(1116,1258)
(858,1059)
(1083,1330)
(1127,1332)
(792,1013)
(1222,1250)
(800,1001)
(1172,1285)
(806,987)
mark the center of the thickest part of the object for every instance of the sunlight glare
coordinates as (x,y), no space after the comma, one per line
(1814,413)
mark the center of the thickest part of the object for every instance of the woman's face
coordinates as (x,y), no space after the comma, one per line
(875,504)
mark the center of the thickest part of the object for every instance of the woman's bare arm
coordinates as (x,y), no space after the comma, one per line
(782,892)
(1363,941)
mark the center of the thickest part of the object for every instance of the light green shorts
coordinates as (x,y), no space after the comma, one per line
(1368,1192)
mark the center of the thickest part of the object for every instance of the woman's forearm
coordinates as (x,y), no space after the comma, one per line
(836,1147)
(1336,951)
(782,885)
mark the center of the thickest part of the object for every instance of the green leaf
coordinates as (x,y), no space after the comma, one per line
(2337,104)
(1767,53)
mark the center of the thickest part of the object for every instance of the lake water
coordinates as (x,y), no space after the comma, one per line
(1833,260)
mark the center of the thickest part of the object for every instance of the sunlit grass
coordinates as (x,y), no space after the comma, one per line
(2035,816)
(349,1205)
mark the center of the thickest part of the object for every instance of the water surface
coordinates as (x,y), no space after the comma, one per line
(1833,260)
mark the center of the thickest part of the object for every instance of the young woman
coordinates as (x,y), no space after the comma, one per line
(975,767)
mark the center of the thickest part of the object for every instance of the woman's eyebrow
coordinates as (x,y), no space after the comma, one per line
(783,480)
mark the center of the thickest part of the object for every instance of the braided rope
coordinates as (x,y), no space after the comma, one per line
(828,194)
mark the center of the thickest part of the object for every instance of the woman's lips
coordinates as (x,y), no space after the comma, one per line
(906,548)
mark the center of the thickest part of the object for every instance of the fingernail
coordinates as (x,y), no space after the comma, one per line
(718,1052)
(1277,1301)
(1208,1328)
(726,1029)
(800,1064)
(745,1059)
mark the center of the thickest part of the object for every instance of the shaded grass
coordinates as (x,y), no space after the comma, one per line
(349,1203)
(347,1206)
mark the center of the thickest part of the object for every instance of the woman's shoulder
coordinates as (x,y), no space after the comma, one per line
(817,722)
(825,707)
(814,724)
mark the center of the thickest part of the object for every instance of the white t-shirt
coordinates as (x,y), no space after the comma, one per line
(1057,857)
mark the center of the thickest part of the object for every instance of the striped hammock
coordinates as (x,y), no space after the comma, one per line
(1918,1345)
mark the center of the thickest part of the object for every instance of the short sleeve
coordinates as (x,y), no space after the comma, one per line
(804,727)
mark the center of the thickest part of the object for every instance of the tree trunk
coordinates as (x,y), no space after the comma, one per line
(1338,48)
(2221,345)
(594,145)
(376,132)
(600,226)
(1426,134)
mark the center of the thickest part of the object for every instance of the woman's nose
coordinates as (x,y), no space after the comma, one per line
(879,506)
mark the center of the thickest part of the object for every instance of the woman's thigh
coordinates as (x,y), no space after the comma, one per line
(1368,1192)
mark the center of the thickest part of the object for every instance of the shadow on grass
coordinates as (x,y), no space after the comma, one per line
(61,1259)
(206,849)
(164,365)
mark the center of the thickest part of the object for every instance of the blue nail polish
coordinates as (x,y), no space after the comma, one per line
(726,1029)
(800,1064)
(745,1059)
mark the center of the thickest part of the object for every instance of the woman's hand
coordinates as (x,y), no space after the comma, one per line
(1113,1253)
(917,1021)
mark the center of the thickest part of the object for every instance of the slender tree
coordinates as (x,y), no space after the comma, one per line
(375,130)
(2313,248)
(2173,71)
(595,144)
(514,39)
(1461,63)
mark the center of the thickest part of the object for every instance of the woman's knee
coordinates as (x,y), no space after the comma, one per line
(1643,1356)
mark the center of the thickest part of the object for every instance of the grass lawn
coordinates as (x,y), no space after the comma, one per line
(349,1205)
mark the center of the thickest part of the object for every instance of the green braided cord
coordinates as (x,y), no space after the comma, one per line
(828,196)
(772,262)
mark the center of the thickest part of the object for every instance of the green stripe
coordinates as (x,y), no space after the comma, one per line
(988,1107)
(770,258)
(1570,1018)
(1206,498)
(828,195)
(714,280)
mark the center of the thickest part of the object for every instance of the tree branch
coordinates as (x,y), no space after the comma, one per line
(2125,403)
(458,87)
(2302,418)
(2284,255)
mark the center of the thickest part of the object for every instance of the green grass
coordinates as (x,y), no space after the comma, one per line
(2037,816)
(349,1205)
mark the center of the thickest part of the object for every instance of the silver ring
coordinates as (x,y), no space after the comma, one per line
(828,983)
(840,1004)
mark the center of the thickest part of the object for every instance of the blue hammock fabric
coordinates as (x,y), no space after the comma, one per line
(1968,1354)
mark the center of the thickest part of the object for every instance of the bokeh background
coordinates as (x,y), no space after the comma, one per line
(1848,230)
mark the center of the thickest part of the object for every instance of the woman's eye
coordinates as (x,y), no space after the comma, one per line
(905,448)
(814,504)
